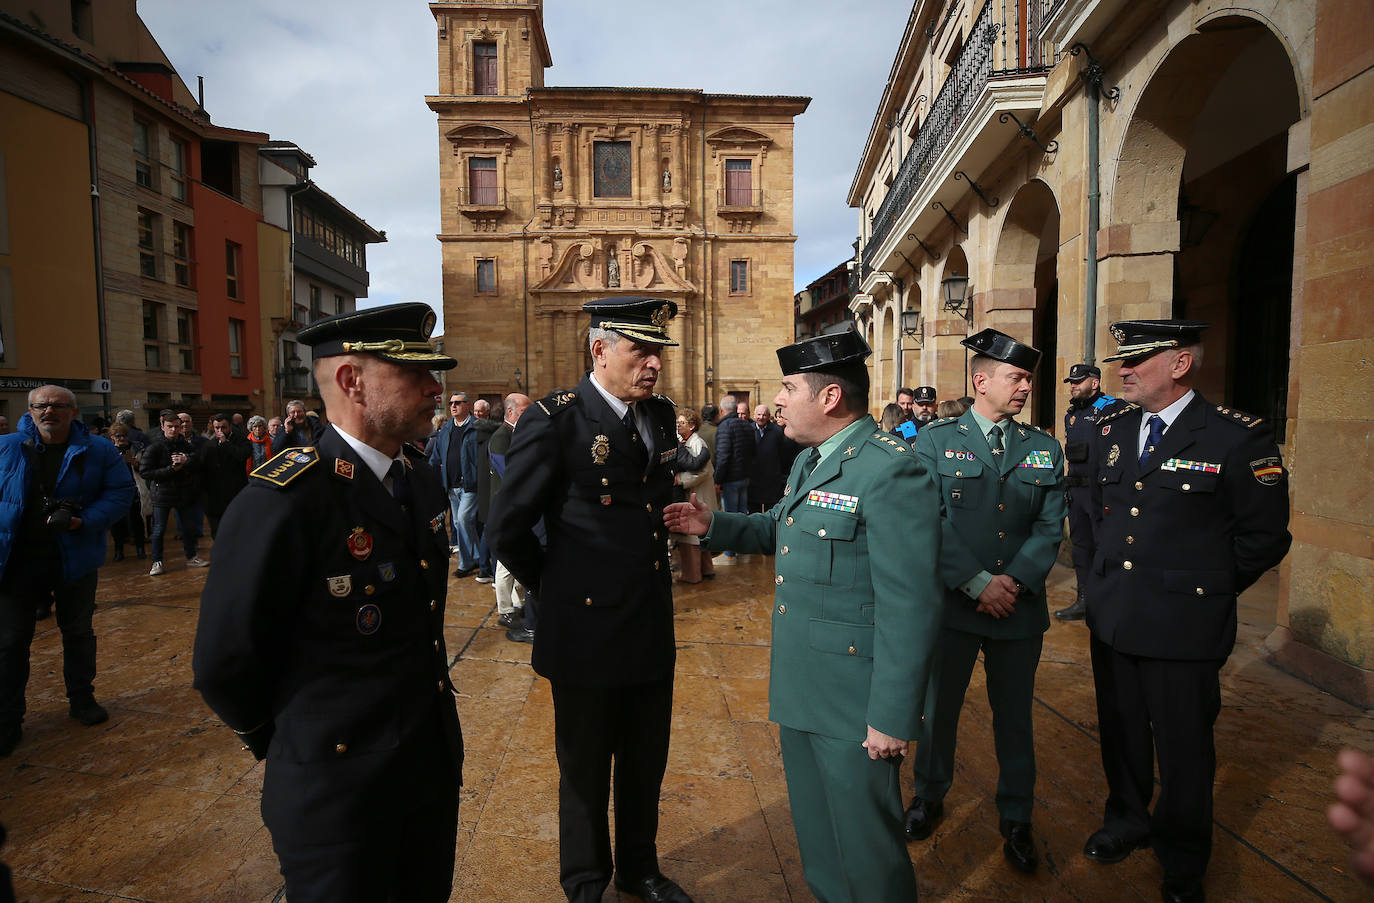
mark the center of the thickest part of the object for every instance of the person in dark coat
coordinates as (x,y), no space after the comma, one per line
(1190,501)
(1087,405)
(320,639)
(223,473)
(483,429)
(593,463)
(768,473)
(169,466)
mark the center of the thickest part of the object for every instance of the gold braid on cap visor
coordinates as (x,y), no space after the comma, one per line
(640,331)
(390,346)
(1127,351)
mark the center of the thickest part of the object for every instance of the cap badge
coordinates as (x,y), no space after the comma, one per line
(360,544)
(427,325)
(661,316)
(601,449)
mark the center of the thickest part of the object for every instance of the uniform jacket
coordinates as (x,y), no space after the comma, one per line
(1180,538)
(734,451)
(1003,514)
(93,474)
(1080,423)
(605,592)
(323,647)
(856,604)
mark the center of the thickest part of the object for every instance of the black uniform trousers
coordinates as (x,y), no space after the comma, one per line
(28,582)
(1165,706)
(403,855)
(1080,532)
(592,727)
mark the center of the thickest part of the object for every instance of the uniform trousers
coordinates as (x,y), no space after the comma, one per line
(1080,533)
(396,847)
(592,727)
(29,582)
(1148,705)
(1010,669)
(847,812)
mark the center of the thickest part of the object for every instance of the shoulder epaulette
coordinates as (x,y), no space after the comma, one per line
(556,401)
(1240,418)
(1112,415)
(281,469)
(881,438)
(1035,429)
(943,421)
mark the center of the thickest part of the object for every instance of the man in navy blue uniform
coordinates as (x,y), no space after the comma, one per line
(320,639)
(1087,404)
(594,464)
(1191,507)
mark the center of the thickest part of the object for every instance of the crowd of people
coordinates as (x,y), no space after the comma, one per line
(583,508)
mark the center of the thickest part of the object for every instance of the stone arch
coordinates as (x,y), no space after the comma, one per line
(1204,153)
(1023,299)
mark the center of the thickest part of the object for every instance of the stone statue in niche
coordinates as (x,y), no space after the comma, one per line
(667,180)
(612,270)
(557,177)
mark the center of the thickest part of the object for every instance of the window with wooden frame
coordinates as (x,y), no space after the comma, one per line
(233,263)
(739,183)
(235,347)
(181,254)
(147,244)
(482,181)
(143,153)
(486,275)
(176,167)
(152,335)
(484,79)
(186,339)
(739,277)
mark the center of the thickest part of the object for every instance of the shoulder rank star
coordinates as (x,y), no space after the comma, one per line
(850,450)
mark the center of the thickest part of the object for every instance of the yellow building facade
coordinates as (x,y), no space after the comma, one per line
(1080,162)
(551,197)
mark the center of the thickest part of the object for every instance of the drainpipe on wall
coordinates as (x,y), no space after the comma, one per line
(88,111)
(525,250)
(707,336)
(1092,79)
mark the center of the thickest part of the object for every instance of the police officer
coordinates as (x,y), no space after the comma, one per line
(1002,513)
(594,464)
(1191,502)
(1087,404)
(853,626)
(320,639)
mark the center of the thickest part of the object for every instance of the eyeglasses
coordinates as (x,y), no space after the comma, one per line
(50,405)
(454,404)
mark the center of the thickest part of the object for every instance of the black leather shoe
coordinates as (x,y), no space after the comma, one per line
(1187,890)
(89,712)
(9,738)
(507,619)
(654,889)
(465,572)
(520,635)
(921,817)
(1020,846)
(1108,848)
(1075,612)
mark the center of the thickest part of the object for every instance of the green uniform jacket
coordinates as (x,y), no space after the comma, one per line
(1003,514)
(857,600)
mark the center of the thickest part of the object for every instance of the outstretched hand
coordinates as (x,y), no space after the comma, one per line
(690,517)
(1352,815)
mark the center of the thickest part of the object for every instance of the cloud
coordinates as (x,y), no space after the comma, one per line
(346,80)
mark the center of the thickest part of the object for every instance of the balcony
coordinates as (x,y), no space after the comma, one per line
(1001,68)
(741,208)
(483,205)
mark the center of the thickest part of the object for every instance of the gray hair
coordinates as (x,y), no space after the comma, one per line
(608,337)
(295,403)
(126,417)
(255,420)
(63,389)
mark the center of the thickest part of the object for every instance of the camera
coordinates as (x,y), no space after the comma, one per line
(58,514)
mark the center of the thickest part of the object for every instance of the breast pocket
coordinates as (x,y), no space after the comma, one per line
(1189,482)
(828,550)
(959,481)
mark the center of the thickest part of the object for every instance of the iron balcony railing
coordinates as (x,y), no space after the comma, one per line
(1004,41)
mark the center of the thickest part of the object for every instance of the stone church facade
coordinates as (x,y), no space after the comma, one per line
(553,196)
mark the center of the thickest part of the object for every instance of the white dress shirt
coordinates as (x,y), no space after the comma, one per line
(1168,415)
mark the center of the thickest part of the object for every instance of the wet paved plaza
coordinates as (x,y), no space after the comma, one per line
(161,804)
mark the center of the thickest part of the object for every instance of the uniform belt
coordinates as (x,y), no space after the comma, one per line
(1073,480)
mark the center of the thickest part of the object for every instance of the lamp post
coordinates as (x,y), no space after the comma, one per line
(954,289)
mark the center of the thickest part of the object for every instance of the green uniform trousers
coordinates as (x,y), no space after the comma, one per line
(1010,668)
(847,811)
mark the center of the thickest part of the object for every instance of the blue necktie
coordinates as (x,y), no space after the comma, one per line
(400,483)
(633,428)
(1156,424)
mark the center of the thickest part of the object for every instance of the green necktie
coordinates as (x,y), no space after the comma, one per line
(812,459)
(995,439)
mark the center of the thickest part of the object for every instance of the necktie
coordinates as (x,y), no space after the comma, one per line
(995,439)
(400,483)
(813,458)
(1156,424)
(633,428)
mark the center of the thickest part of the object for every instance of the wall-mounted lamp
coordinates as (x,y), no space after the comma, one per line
(953,289)
(518,383)
(913,327)
(710,375)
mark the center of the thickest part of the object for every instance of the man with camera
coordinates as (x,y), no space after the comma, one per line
(60,489)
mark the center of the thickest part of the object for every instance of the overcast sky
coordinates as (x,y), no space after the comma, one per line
(346,80)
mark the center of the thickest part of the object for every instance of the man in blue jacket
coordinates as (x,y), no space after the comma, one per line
(455,458)
(60,489)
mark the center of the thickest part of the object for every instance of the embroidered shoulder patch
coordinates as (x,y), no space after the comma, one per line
(1268,471)
(281,469)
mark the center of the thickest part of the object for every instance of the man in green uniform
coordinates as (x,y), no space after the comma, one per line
(1001,513)
(854,623)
